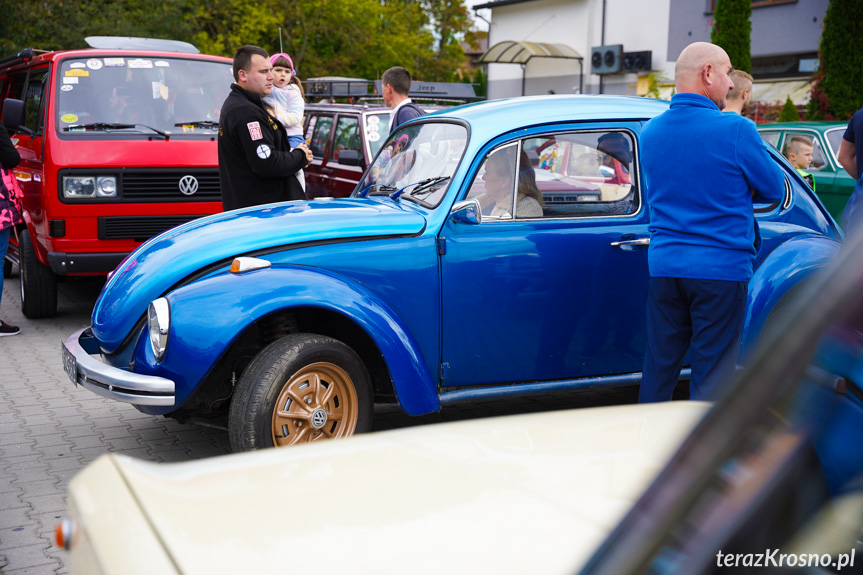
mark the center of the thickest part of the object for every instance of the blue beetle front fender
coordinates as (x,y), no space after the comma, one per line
(786,267)
(207,317)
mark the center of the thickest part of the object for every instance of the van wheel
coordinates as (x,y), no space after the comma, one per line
(38,282)
(300,388)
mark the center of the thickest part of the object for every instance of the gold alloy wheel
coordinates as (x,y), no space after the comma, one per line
(318,402)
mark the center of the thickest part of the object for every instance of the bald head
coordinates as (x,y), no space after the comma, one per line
(703,68)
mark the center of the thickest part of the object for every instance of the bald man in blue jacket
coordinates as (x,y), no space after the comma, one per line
(702,169)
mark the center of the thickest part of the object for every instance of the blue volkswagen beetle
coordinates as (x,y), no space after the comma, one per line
(495,249)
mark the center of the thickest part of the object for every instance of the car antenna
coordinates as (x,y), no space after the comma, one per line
(281,49)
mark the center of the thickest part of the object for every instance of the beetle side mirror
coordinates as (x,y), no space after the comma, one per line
(466,212)
(350,158)
(13,116)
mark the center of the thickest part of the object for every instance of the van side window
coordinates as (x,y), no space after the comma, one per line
(16,90)
(33,99)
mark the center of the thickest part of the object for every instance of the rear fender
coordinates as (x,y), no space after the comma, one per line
(786,267)
(207,317)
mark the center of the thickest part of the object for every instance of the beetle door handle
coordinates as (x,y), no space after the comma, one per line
(328,171)
(629,244)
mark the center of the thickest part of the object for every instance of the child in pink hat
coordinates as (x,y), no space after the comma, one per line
(287,101)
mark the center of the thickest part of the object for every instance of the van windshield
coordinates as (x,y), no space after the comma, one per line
(123,95)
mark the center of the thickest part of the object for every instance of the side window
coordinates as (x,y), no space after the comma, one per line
(318,134)
(771,138)
(33,99)
(800,142)
(16,90)
(582,174)
(495,184)
(347,135)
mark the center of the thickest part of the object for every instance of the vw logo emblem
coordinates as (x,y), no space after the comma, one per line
(319,418)
(188,185)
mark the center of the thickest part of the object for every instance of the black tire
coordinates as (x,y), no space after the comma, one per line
(38,282)
(284,372)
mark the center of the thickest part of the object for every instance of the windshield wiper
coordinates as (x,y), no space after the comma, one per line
(98,126)
(421,185)
(428,186)
(104,127)
(199,124)
(383,190)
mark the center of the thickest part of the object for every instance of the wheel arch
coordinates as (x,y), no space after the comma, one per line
(295,299)
(784,270)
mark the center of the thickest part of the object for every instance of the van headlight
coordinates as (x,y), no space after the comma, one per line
(158,324)
(89,187)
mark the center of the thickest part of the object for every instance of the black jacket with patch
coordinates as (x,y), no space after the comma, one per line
(256,164)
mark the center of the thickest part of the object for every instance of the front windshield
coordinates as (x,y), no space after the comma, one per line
(141,95)
(419,160)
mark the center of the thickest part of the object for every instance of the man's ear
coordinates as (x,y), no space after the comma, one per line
(242,76)
(707,74)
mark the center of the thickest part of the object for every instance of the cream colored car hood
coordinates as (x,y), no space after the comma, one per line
(534,493)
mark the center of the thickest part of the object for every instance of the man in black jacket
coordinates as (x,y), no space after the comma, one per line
(256,163)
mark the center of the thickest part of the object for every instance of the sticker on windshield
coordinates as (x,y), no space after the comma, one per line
(77,72)
(66,88)
(255,131)
(70,80)
(77,65)
(263,151)
(162,64)
(373,121)
(114,62)
(68,118)
(139,63)
(94,64)
(373,136)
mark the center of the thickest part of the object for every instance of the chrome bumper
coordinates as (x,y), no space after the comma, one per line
(108,381)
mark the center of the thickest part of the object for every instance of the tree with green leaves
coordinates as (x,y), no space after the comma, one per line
(836,92)
(732,30)
(789,112)
(356,38)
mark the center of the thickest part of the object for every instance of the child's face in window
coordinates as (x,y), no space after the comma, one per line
(281,76)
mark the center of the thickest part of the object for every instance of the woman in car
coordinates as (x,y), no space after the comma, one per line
(497,199)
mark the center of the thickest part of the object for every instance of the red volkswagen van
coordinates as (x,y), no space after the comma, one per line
(117,144)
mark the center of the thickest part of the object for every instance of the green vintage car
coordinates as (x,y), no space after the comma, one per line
(832,183)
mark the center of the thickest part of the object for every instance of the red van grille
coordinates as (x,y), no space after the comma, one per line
(151,186)
(139,228)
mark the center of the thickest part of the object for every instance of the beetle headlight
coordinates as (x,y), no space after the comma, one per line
(89,187)
(158,324)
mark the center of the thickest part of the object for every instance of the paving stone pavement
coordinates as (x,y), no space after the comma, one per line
(49,430)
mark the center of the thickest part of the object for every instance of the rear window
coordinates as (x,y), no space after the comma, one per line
(110,96)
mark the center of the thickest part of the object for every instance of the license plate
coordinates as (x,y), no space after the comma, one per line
(70,364)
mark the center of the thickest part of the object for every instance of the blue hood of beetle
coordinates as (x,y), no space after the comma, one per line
(162,262)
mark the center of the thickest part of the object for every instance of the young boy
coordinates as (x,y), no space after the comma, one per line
(799,153)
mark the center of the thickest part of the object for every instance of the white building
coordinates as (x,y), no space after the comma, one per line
(785,36)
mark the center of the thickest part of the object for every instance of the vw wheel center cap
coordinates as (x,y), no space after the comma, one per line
(319,418)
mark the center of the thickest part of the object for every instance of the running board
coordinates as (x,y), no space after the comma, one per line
(465,395)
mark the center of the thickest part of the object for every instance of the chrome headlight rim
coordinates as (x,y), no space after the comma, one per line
(159,326)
